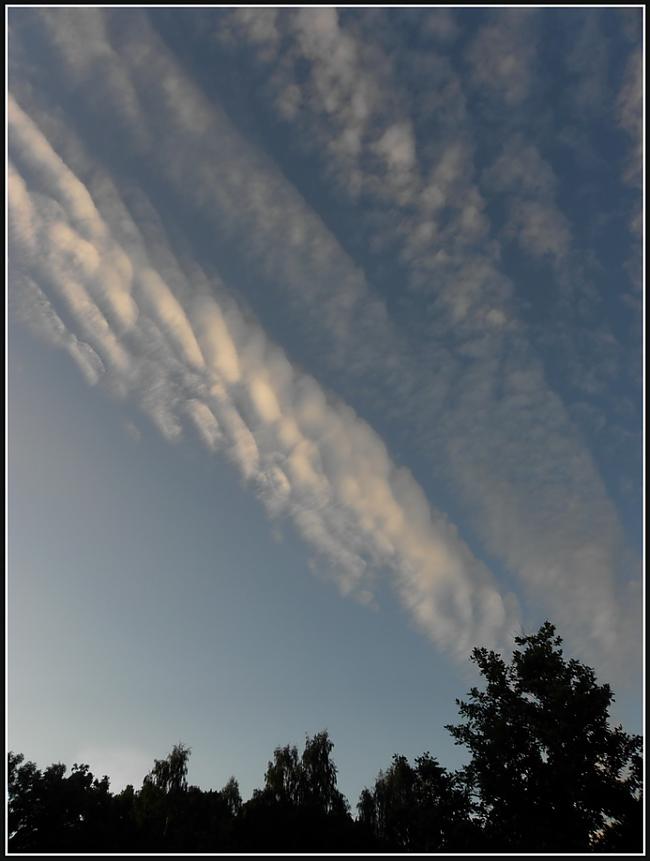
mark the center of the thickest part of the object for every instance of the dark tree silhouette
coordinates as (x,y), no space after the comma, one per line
(309,780)
(231,796)
(548,772)
(170,774)
(48,809)
(422,808)
(283,778)
(300,808)
(161,805)
(318,773)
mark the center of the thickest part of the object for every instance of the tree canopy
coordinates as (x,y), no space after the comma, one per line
(547,773)
(547,768)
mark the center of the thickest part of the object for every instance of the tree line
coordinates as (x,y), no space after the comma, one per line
(547,773)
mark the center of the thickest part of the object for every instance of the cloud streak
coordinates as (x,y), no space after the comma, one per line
(307,455)
(475,397)
(429,206)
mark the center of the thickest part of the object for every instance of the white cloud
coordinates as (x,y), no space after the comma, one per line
(501,56)
(525,178)
(630,118)
(587,60)
(33,308)
(440,24)
(206,423)
(309,457)
(217,344)
(169,314)
(520,168)
(465,415)
(540,229)
(397,147)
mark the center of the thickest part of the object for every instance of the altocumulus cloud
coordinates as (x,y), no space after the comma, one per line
(148,322)
(306,454)
(522,469)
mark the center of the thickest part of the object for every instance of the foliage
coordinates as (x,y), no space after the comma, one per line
(418,808)
(48,809)
(306,781)
(548,773)
(547,769)
(170,774)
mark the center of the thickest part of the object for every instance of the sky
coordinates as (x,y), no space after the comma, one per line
(325,365)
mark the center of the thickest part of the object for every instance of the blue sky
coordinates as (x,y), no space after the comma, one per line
(325,366)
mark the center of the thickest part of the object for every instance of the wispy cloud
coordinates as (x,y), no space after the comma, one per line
(630,118)
(528,184)
(307,455)
(473,394)
(587,62)
(428,204)
(502,54)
